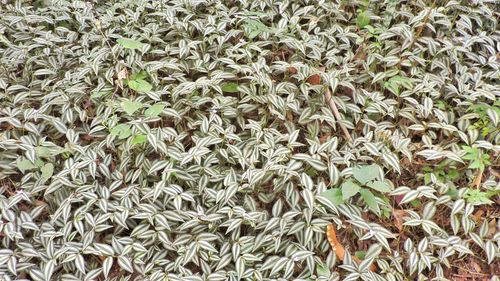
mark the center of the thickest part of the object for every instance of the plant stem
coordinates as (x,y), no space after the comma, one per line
(333,107)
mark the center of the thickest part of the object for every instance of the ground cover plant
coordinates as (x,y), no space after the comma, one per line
(249,140)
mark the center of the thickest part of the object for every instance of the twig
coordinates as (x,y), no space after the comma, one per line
(333,107)
(419,30)
(421,27)
(468,272)
(478,179)
(97,25)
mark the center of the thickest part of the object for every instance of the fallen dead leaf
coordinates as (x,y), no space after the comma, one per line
(338,248)
(492,228)
(331,235)
(292,70)
(477,216)
(314,79)
(398,198)
(478,179)
(398,218)
(476,267)
(324,138)
(123,74)
(39,203)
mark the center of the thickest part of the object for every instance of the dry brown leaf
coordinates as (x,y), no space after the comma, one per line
(98,24)
(477,216)
(339,250)
(331,235)
(39,203)
(123,74)
(495,174)
(477,268)
(492,228)
(398,218)
(324,138)
(292,70)
(314,79)
(478,179)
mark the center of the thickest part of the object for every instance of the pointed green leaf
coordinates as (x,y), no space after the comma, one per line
(98,94)
(393,87)
(139,85)
(154,110)
(254,33)
(365,174)
(475,165)
(427,178)
(405,82)
(362,19)
(47,171)
(24,165)
(230,87)
(369,199)
(139,75)
(323,270)
(42,152)
(380,186)
(39,163)
(334,195)
(477,197)
(256,25)
(123,131)
(130,43)
(469,149)
(469,157)
(349,189)
(138,139)
(131,106)
(360,254)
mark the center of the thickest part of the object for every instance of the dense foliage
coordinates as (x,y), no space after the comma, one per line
(192,140)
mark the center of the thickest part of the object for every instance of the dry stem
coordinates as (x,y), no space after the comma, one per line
(333,107)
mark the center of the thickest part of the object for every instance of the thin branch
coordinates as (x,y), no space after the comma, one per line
(477,181)
(333,107)
(422,26)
